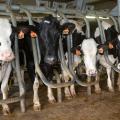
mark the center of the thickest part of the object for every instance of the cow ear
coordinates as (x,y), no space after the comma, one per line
(73,50)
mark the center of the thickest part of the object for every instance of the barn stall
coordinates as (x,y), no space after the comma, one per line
(86,105)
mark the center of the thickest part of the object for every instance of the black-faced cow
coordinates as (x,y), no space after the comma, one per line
(48,32)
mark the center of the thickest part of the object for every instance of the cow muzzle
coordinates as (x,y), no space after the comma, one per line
(91,72)
(7,56)
(50,60)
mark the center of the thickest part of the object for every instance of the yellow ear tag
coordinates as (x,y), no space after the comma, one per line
(33,34)
(66,31)
(21,35)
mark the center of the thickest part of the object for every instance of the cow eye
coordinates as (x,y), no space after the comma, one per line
(0,43)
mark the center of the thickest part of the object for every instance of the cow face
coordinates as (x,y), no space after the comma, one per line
(50,34)
(89,48)
(6,53)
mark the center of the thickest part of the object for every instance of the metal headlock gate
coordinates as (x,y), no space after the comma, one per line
(17,67)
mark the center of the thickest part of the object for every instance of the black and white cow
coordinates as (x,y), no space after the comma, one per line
(113,45)
(6,56)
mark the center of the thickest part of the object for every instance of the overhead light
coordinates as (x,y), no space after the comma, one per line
(93,17)
(90,17)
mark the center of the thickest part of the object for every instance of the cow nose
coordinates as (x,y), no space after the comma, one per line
(92,72)
(7,55)
(118,66)
(50,59)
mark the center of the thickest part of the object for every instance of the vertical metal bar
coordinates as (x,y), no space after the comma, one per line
(118,3)
(87,27)
(17,63)
(115,23)
(89,88)
(59,90)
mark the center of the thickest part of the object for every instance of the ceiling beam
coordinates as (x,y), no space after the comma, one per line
(101,2)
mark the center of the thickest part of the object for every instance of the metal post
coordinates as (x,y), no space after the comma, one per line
(88,27)
(17,64)
(115,23)
(118,3)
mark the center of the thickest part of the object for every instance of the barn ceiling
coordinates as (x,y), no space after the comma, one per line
(98,4)
(68,5)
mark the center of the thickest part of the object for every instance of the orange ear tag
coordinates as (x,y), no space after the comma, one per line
(110,46)
(21,35)
(33,34)
(66,31)
(78,53)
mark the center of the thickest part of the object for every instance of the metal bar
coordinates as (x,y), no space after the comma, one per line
(47,10)
(115,23)
(88,27)
(59,90)
(20,81)
(118,3)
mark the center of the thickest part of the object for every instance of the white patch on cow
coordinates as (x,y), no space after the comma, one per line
(97,32)
(118,66)
(103,62)
(46,21)
(76,60)
(119,37)
(6,53)
(105,25)
(89,48)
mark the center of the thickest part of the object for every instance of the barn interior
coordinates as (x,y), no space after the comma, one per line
(86,105)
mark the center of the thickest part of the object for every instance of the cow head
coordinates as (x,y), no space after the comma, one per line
(6,53)
(49,33)
(89,49)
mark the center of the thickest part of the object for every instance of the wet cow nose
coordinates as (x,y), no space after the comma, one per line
(92,72)
(6,54)
(50,59)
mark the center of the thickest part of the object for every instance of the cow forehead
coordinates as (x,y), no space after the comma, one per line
(5,27)
(89,46)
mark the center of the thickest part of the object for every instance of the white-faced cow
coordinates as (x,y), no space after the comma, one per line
(6,56)
(81,46)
